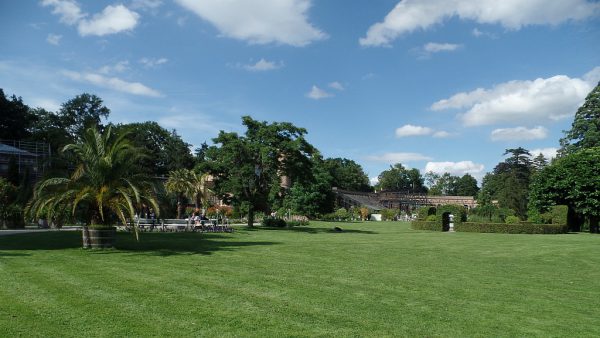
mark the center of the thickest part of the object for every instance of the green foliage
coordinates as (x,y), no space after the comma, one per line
(106,183)
(15,118)
(11,213)
(518,228)
(585,130)
(425,211)
(426,225)
(459,212)
(312,197)
(432,218)
(347,174)
(389,214)
(249,168)
(398,178)
(512,220)
(272,222)
(489,213)
(165,150)
(509,182)
(571,180)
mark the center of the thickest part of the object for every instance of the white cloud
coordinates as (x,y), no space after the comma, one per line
(336,85)
(317,93)
(152,63)
(263,65)
(54,39)
(548,153)
(519,134)
(410,130)
(118,67)
(393,158)
(259,21)
(455,168)
(442,134)
(518,101)
(433,47)
(68,10)
(373,180)
(593,76)
(479,33)
(113,19)
(411,15)
(113,83)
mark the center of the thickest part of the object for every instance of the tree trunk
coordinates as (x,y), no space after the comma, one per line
(250,217)
(179,207)
(594,227)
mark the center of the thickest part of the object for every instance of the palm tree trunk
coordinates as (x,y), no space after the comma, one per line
(250,217)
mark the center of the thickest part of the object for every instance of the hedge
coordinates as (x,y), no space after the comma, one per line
(424,225)
(519,228)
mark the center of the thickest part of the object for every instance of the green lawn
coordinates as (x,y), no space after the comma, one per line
(373,279)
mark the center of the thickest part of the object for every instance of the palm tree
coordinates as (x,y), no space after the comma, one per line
(179,183)
(106,182)
(200,192)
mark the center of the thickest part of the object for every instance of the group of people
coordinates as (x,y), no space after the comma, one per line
(198,218)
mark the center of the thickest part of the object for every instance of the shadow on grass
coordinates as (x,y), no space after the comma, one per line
(158,244)
(310,230)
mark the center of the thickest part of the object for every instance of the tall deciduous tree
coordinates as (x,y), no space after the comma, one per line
(82,112)
(248,169)
(15,118)
(347,174)
(398,178)
(572,180)
(165,149)
(585,130)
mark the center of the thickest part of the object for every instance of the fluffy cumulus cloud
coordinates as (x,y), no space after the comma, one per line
(259,21)
(455,168)
(317,93)
(393,158)
(411,130)
(411,15)
(113,83)
(519,134)
(263,65)
(548,153)
(518,101)
(112,20)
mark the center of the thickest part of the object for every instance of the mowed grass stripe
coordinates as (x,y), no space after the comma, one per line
(373,279)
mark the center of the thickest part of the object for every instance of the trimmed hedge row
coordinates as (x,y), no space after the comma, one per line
(425,225)
(519,228)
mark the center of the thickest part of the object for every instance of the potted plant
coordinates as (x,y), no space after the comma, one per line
(105,186)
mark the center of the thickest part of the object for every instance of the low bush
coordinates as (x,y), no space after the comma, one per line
(425,225)
(518,228)
(432,218)
(512,220)
(274,222)
(297,223)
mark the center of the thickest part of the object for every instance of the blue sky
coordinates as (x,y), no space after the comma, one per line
(442,85)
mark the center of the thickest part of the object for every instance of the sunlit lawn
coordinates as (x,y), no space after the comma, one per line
(373,279)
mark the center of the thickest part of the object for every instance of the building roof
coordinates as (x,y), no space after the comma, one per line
(6,149)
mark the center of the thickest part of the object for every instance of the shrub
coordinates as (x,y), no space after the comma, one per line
(423,212)
(274,222)
(512,220)
(431,218)
(297,223)
(424,225)
(519,228)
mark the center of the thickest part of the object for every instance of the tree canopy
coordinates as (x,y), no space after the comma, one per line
(398,178)
(248,169)
(347,174)
(585,130)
